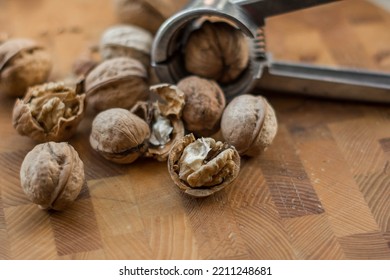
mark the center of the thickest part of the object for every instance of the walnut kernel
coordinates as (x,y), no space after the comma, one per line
(52,175)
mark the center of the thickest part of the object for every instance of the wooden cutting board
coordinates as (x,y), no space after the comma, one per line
(320,192)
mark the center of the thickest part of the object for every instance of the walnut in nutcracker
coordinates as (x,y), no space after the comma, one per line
(218,51)
(148,14)
(204,105)
(119,135)
(52,175)
(23,63)
(163,116)
(116,83)
(49,112)
(127,40)
(249,123)
(203,166)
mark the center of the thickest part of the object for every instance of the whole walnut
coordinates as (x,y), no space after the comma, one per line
(218,51)
(23,63)
(148,14)
(127,40)
(204,105)
(116,83)
(163,116)
(52,175)
(49,112)
(203,166)
(249,123)
(119,135)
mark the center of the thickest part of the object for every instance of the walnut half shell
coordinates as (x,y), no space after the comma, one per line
(52,175)
(49,112)
(203,166)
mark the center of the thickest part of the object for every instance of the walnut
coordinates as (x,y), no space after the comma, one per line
(148,14)
(52,175)
(127,40)
(116,83)
(164,118)
(49,112)
(249,124)
(23,63)
(218,51)
(204,104)
(119,135)
(203,166)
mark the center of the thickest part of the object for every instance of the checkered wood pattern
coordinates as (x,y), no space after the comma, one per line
(322,190)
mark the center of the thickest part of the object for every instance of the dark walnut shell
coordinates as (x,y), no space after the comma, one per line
(23,63)
(49,112)
(203,166)
(119,135)
(52,175)
(204,105)
(116,83)
(249,123)
(164,118)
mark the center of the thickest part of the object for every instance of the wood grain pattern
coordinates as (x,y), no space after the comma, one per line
(321,191)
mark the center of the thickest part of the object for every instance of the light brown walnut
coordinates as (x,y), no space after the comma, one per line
(52,175)
(204,104)
(23,63)
(128,41)
(119,135)
(203,166)
(49,112)
(217,51)
(249,123)
(116,83)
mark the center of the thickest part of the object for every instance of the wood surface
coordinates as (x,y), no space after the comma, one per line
(321,191)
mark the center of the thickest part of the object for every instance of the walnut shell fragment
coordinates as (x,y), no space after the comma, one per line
(23,63)
(119,135)
(249,123)
(116,83)
(217,51)
(52,175)
(204,105)
(164,119)
(128,41)
(49,112)
(203,166)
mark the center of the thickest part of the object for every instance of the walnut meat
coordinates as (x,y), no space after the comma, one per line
(52,175)
(119,135)
(49,112)
(148,14)
(23,63)
(116,83)
(127,40)
(203,166)
(249,123)
(164,119)
(218,51)
(204,104)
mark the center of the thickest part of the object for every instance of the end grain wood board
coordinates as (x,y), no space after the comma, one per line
(320,192)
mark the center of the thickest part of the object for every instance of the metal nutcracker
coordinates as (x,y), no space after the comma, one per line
(263,72)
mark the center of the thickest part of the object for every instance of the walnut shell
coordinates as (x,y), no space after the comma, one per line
(249,123)
(204,105)
(49,112)
(127,40)
(52,175)
(23,63)
(217,51)
(119,135)
(116,83)
(203,166)
(148,14)
(163,117)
